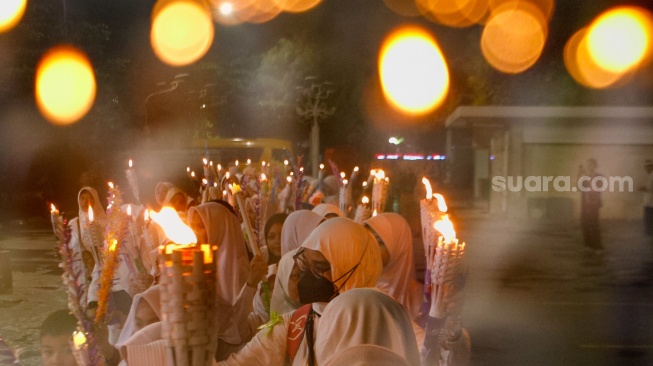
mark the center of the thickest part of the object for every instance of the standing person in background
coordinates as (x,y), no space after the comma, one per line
(590,204)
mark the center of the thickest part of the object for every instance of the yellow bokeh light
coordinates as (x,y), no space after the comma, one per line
(620,39)
(296,6)
(514,37)
(582,67)
(413,71)
(65,85)
(182,31)
(453,13)
(11,11)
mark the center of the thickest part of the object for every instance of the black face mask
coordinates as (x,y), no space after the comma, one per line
(312,289)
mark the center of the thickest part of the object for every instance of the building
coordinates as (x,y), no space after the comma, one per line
(488,145)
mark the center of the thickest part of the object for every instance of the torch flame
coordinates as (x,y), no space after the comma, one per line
(263,177)
(129,210)
(445,227)
(342,175)
(173,227)
(205,161)
(112,247)
(321,166)
(345,181)
(111,185)
(442,206)
(131,163)
(365,200)
(374,213)
(356,169)
(289,179)
(380,174)
(146,215)
(90,213)
(429,190)
(53,209)
(219,167)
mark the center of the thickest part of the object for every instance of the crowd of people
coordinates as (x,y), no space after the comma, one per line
(324,290)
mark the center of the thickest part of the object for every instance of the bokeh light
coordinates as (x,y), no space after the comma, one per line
(514,37)
(582,67)
(11,12)
(65,85)
(620,39)
(182,31)
(546,7)
(296,6)
(413,72)
(454,13)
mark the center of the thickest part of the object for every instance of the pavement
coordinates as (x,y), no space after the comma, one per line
(533,295)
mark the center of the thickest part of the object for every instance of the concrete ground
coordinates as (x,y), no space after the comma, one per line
(533,296)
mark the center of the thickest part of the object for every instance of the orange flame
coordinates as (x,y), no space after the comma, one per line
(173,227)
(429,190)
(365,200)
(380,174)
(90,213)
(445,227)
(53,209)
(442,206)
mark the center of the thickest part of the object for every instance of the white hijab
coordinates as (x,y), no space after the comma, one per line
(364,317)
(398,277)
(152,297)
(297,227)
(281,301)
(324,209)
(223,230)
(99,216)
(346,244)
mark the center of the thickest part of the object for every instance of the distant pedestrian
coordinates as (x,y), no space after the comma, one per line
(590,204)
(648,198)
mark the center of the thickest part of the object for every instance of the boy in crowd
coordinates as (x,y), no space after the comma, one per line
(56,336)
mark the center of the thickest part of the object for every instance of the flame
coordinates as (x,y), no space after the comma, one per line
(235,189)
(111,185)
(365,184)
(90,213)
(173,227)
(219,167)
(53,209)
(263,163)
(112,247)
(380,174)
(215,184)
(365,200)
(289,179)
(192,174)
(211,163)
(442,206)
(374,213)
(429,190)
(205,161)
(205,181)
(321,166)
(301,169)
(129,210)
(236,162)
(263,177)
(249,161)
(345,181)
(227,175)
(79,339)
(445,227)
(131,163)
(187,169)
(356,169)
(146,215)
(342,175)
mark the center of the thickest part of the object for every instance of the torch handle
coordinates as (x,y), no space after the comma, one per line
(248,225)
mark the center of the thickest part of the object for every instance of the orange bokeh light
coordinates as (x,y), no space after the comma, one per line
(581,65)
(454,13)
(296,6)
(546,7)
(11,12)
(413,72)
(620,39)
(182,31)
(65,85)
(514,37)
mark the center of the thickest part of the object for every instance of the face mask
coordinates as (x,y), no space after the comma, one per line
(312,289)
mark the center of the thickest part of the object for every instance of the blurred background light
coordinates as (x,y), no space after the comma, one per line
(514,37)
(413,72)
(65,85)
(182,31)
(11,11)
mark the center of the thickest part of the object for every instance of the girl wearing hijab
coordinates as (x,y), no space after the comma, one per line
(145,310)
(338,256)
(297,227)
(80,239)
(236,284)
(365,327)
(285,298)
(273,232)
(327,210)
(398,278)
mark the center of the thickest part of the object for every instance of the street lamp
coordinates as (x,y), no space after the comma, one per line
(315,108)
